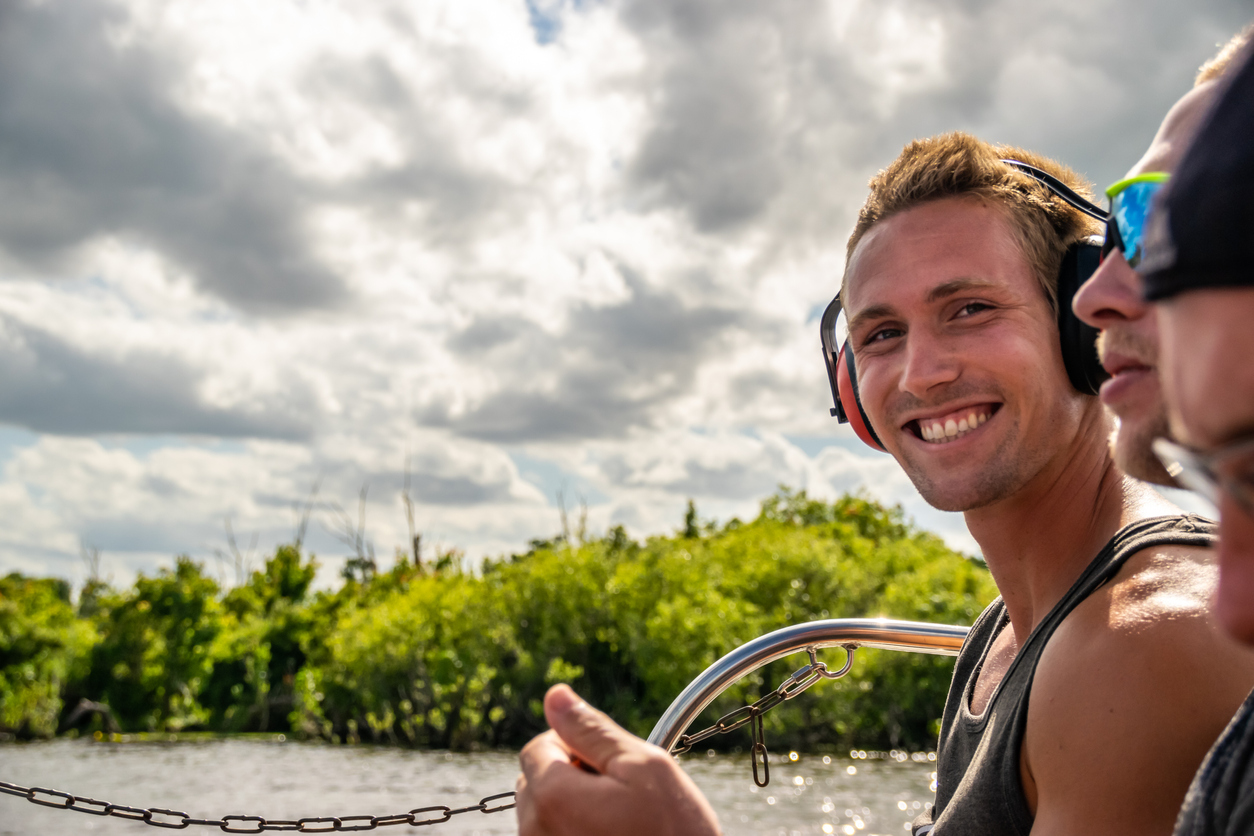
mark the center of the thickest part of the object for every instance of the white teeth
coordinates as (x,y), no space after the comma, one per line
(936,433)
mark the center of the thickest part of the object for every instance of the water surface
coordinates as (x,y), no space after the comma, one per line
(289,780)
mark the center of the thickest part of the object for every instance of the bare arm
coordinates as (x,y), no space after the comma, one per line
(1132,691)
(628,787)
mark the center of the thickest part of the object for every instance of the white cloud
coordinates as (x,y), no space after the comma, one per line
(589,238)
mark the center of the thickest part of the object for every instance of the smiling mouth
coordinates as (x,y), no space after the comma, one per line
(942,429)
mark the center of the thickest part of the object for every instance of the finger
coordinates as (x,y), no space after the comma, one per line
(555,797)
(543,750)
(524,811)
(590,735)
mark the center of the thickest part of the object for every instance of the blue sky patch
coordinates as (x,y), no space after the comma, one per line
(550,479)
(546,20)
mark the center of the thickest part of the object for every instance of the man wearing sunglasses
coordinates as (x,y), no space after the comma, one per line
(1112,300)
(1198,252)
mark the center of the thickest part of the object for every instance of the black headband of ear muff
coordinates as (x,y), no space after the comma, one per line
(1065,193)
(1078,339)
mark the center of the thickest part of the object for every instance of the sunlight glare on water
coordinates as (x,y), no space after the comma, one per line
(287,780)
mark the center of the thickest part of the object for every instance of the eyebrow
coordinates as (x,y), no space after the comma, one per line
(952,288)
(941,291)
(872,313)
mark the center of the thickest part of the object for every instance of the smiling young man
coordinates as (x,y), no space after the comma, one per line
(1113,298)
(1074,706)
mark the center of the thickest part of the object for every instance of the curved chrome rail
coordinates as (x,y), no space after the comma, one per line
(888,634)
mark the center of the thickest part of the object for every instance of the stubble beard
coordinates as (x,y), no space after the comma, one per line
(1130,442)
(1131,450)
(1007,472)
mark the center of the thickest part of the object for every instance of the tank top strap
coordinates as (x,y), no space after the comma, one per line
(1176,530)
(978,785)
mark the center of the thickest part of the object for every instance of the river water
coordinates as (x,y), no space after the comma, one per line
(868,793)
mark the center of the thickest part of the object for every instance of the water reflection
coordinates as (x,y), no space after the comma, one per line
(876,793)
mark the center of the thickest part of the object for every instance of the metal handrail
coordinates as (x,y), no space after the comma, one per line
(883,633)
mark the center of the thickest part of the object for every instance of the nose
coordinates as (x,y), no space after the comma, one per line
(928,363)
(1112,294)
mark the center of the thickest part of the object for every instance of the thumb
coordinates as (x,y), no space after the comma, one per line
(589,733)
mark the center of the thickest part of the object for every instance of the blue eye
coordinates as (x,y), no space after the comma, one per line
(881,335)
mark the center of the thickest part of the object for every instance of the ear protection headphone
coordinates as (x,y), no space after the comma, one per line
(1079,350)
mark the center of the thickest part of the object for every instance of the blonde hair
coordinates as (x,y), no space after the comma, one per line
(1218,65)
(958,164)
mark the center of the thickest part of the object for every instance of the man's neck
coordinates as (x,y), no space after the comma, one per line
(1038,541)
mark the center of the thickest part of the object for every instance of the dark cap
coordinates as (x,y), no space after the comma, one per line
(1201,231)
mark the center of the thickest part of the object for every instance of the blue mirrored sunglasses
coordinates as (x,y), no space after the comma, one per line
(1130,203)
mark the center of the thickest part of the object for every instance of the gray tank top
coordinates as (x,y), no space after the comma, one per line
(1221,800)
(978,790)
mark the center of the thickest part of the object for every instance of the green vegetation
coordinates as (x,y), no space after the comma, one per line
(437,656)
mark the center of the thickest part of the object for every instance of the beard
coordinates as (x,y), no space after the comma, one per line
(1131,450)
(1133,435)
(1006,471)
(1009,468)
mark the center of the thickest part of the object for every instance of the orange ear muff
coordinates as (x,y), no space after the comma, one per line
(847,383)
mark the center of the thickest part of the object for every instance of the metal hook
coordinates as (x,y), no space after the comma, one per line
(822,669)
(759,748)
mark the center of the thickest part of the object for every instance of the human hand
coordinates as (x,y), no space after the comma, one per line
(634,787)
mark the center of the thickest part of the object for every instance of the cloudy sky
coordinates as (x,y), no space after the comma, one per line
(515,247)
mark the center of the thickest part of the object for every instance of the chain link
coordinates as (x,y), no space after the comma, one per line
(178,820)
(802,679)
(423,816)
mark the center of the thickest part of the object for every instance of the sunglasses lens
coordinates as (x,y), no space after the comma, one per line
(1128,212)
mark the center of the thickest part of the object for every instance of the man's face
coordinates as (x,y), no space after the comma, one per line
(1208,381)
(958,360)
(1113,301)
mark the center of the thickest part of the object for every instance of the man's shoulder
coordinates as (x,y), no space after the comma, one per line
(1117,686)
(1158,603)
(1156,586)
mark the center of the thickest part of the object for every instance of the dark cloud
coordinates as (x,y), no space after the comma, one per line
(761,114)
(447,198)
(92,143)
(714,145)
(610,371)
(1135,59)
(50,386)
(734,480)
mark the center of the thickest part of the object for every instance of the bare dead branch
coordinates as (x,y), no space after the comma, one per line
(303,524)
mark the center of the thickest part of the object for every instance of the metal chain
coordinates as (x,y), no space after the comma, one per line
(177,820)
(802,679)
(423,816)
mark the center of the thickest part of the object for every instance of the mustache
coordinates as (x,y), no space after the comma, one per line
(904,402)
(1128,343)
